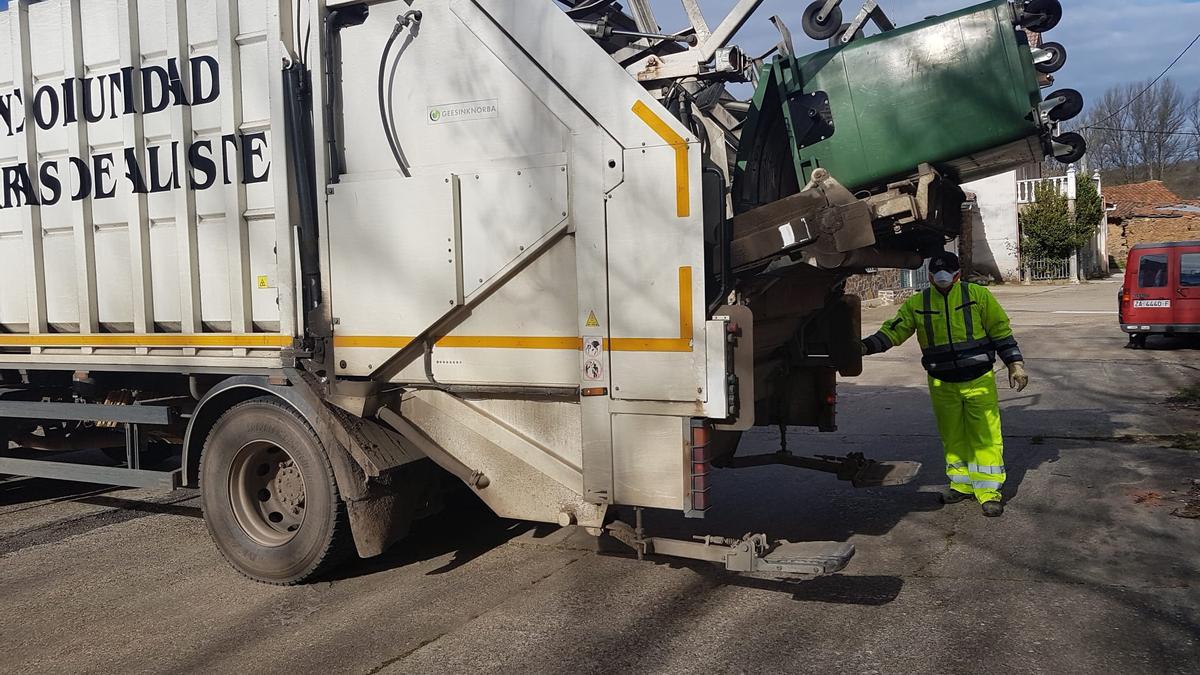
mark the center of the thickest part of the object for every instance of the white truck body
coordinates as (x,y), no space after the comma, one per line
(344,248)
(552,202)
(111,251)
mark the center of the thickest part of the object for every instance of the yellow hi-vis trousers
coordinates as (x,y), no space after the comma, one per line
(968,420)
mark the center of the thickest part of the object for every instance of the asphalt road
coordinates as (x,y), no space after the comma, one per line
(1088,571)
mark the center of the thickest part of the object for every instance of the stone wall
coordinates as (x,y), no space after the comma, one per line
(883,284)
(1133,231)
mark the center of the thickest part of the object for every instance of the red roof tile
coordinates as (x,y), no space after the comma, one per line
(1139,198)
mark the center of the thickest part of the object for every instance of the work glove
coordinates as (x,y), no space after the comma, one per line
(862,346)
(1017,377)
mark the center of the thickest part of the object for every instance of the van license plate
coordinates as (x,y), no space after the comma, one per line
(1151,303)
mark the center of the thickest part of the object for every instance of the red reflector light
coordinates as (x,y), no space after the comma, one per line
(700,467)
(831,399)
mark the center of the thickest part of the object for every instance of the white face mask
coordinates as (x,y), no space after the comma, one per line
(943,279)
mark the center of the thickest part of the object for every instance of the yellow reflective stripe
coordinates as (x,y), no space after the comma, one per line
(683,200)
(510,342)
(462,342)
(685,303)
(927,305)
(968,317)
(649,345)
(372,341)
(681,344)
(145,340)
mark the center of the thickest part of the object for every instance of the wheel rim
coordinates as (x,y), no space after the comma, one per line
(266,491)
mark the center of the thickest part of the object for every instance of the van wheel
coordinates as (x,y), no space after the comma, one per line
(1137,340)
(269,496)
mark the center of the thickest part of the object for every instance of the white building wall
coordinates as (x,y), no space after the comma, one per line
(995,250)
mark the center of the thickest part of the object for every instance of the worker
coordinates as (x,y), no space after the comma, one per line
(961,328)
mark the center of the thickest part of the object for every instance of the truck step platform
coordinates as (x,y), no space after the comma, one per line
(815,558)
(886,474)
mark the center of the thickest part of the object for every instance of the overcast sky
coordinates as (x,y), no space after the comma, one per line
(1108,41)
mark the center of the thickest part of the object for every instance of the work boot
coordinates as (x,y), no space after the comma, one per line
(952,496)
(993,509)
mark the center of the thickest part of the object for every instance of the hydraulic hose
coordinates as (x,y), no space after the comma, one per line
(407,19)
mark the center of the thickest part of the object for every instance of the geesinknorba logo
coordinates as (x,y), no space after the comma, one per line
(462,112)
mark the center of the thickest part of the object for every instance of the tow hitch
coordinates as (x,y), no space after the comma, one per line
(751,553)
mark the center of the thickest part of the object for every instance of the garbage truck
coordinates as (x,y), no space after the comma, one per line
(326,259)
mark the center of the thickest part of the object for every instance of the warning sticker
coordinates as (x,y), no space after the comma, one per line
(592,321)
(263,281)
(592,346)
(593,358)
(593,370)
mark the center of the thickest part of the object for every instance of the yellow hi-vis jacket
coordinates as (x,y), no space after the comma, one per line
(960,332)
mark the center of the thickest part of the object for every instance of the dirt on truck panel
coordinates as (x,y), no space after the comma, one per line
(332,274)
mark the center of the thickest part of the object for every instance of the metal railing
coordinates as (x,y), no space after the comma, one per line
(1052,269)
(917,279)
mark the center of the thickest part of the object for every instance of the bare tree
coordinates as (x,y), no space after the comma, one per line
(1194,123)
(1136,136)
(1158,117)
(1109,145)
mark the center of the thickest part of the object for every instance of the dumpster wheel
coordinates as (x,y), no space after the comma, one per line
(1058,58)
(1069,147)
(1069,108)
(821,30)
(1040,16)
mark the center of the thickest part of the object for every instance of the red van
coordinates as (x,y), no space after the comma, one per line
(1161,293)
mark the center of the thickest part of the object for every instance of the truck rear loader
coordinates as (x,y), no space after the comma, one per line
(322,259)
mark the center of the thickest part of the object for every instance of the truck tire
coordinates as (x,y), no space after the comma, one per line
(269,496)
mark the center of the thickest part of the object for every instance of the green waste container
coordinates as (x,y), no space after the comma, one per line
(959,92)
